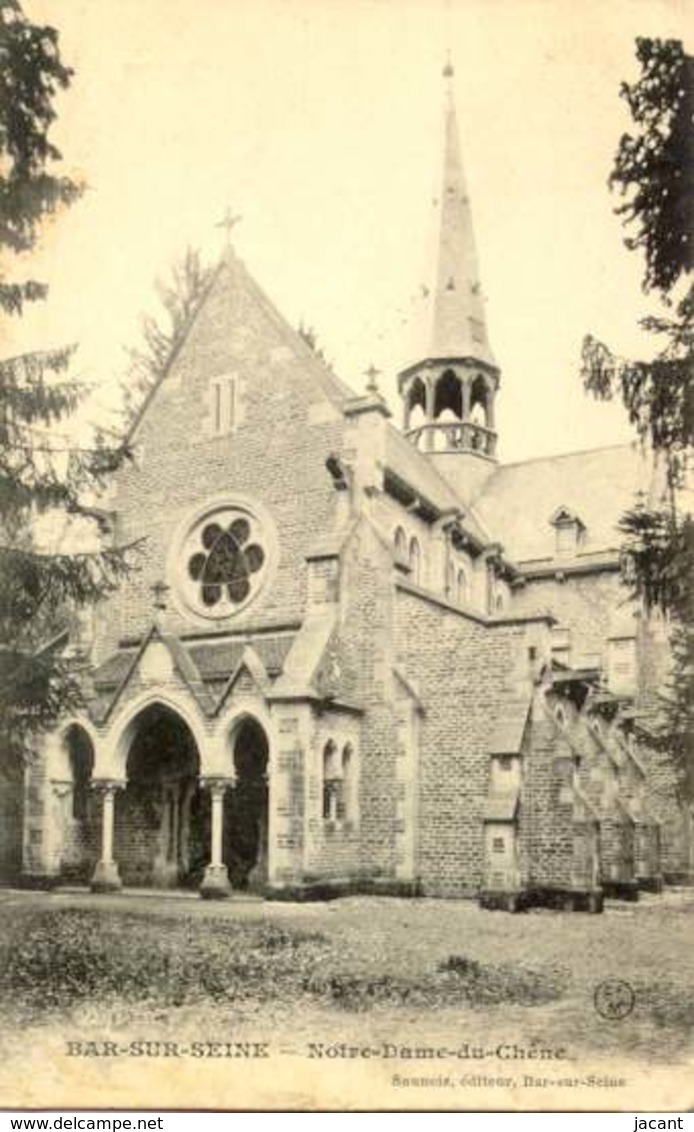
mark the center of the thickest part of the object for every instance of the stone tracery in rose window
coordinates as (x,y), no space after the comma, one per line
(224,562)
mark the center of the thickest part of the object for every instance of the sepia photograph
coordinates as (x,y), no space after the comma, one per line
(347,555)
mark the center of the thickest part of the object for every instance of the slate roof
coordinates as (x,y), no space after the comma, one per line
(217,661)
(418,471)
(214,660)
(518,501)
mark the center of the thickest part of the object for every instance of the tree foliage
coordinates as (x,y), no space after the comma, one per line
(654,166)
(654,169)
(42,475)
(162,334)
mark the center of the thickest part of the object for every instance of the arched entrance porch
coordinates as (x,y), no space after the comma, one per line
(11,817)
(79,830)
(161,828)
(246,808)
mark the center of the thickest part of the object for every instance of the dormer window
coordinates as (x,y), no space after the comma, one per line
(570,532)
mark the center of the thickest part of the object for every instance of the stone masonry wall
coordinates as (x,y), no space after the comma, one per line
(462,669)
(583,603)
(366,630)
(287,425)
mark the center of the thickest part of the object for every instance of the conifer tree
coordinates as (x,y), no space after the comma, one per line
(179,297)
(654,173)
(43,474)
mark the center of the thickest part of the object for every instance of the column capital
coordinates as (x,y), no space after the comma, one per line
(216,783)
(108,785)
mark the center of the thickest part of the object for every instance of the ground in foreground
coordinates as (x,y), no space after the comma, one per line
(308,979)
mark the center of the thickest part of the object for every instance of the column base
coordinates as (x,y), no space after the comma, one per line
(106,878)
(41,882)
(215,883)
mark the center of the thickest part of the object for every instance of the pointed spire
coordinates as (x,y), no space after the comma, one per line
(458,326)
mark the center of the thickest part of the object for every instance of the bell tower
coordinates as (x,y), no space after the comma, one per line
(448,392)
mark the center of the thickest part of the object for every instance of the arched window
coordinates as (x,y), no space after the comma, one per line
(332,777)
(416,404)
(339,783)
(400,543)
(449,396)
(81,757)
(415,560)
(478,402)
(349,784)
(462,587)
(450,581)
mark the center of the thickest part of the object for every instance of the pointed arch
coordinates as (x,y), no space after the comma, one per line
(415,560)
(331,778)
(462,587)
(479,402)
(450,581)
(400,545)
(416,403)
(112,756)
(349,783)
(448,395)
(80,759)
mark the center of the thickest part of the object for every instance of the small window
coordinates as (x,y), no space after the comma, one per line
(415,561)
(450,582)
(332,783)
(560,716)
(569,532)
(223,405)
(339,783)
(505,762)
(462,587)
(347,809)
(400,543)
(498,845)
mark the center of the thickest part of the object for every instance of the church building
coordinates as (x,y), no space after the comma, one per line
(361,654)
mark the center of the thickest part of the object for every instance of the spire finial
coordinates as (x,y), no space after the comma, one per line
(372,374)
(448,70)
(229,221)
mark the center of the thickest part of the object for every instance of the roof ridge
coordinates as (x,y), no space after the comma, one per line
(175,351)
(337,390)
(632,445)
(334,385)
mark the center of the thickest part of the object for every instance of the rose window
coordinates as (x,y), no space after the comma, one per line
(223,559)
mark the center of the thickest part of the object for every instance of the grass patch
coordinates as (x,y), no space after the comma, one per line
(51,961)
(669,1007)
(457,981)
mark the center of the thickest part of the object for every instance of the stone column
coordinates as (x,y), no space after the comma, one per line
(466,398)
(106,878)
(215,883)
(489,402)
(431,404)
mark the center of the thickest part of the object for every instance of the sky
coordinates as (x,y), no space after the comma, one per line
(320,122)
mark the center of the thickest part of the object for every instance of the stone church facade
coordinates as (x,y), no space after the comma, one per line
(359,655)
